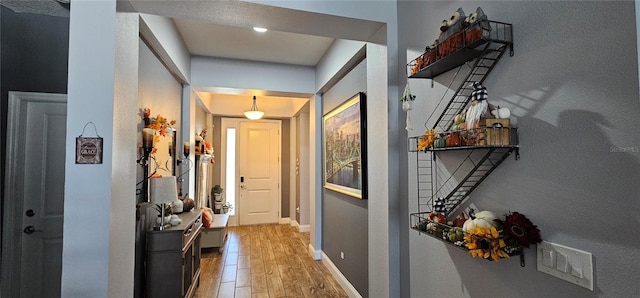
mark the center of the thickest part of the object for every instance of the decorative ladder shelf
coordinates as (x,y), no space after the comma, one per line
(480,161)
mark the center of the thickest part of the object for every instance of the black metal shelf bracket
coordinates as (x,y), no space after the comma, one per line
(481,55)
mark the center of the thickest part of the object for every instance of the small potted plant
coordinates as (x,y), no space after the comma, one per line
(407,105)
(225,207)
(217,191)
(407,99)
(167,212)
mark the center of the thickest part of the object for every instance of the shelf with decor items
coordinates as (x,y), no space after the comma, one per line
(482,45)
(469,139)
(454,185)
(502,239)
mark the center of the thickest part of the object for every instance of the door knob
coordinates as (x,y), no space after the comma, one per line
(30,230)
(30,213)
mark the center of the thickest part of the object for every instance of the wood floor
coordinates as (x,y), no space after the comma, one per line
(265,261)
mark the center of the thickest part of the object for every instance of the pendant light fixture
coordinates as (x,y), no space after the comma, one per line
(254,114)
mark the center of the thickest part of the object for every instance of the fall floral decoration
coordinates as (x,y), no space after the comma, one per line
(159,124)
(208,148)
(519,230)
(495,239)
(486,243)
(427,139)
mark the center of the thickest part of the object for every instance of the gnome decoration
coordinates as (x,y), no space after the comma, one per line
(439,205)
(407,104)
(478,106)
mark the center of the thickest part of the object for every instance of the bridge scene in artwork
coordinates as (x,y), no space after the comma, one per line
(342,152)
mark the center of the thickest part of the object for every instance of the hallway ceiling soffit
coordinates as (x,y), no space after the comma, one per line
(236,104)
(245,14)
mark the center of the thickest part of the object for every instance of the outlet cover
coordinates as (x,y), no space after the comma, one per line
(572,265)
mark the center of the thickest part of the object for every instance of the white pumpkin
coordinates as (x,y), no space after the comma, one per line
(503,113)
(481,219)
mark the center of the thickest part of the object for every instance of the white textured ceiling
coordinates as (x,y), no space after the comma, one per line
(223,29)
(244,43)
(208,39)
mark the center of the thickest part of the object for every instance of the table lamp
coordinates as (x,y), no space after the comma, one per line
(163,191)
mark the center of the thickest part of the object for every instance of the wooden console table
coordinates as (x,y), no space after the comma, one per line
(173,258)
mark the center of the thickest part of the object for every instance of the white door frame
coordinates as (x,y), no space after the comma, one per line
(235,122)
(13,203)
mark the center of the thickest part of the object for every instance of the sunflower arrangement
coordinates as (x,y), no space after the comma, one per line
(487,236)
(486,243)
(506,237)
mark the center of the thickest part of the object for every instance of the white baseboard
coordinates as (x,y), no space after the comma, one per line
(304,228)
(285,220)
(346,285)
(294,224)
(315,254)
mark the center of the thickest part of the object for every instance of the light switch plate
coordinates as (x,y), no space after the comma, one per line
(562,263)
(548,258)
(577,260)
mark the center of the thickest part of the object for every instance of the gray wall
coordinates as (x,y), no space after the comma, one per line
(34,51)
(572,87)
(159,91)
(344,218)
(217,146)
(285,173)
(299,135)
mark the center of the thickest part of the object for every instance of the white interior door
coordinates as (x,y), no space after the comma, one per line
(259,172)
(35,194)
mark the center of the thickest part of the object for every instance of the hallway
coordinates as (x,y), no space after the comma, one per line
(265,261)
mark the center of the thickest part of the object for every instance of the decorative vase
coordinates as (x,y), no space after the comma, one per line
(217,197)
(217,206)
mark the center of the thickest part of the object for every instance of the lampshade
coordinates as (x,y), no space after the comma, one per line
(163,190)
(254,114)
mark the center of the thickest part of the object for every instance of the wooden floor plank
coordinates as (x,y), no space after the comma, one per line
(229,273)
(243,278)
(265,261)
(227,290)
(259,283)
(243,292)
(231,259)
(276,289)
(244,262)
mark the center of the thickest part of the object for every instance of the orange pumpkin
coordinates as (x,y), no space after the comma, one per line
(453,140)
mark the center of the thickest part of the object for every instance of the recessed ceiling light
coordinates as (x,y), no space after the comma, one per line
(260,29)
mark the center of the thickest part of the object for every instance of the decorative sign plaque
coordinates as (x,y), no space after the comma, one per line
(89,149)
